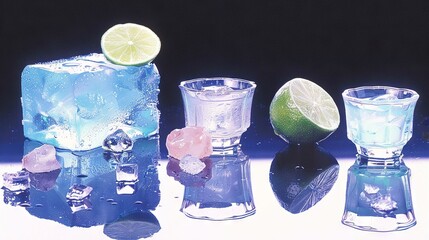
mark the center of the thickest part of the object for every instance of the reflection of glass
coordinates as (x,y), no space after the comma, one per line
(221,105)
(379,119)
(378,196)
(102,205)
(301,175)
(226,195)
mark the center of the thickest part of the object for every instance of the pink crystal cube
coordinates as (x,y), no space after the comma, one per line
(41,159)
(193,141)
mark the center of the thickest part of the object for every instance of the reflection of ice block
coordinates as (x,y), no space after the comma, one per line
(75,103)
(93,169)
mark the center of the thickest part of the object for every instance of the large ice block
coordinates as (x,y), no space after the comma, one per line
(76,103)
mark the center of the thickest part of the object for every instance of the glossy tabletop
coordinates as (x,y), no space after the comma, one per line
(161,191)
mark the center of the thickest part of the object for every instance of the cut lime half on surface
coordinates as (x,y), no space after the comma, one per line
(130,44)
(303,112)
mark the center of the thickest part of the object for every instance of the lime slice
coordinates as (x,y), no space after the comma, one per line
(303,112)
(130,44)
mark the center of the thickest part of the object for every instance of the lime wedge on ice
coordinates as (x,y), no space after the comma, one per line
(303,112)
(130,44)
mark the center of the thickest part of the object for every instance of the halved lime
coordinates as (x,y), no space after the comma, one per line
(130,44)
(303,112)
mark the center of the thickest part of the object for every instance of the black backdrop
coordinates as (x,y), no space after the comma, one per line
(337,44)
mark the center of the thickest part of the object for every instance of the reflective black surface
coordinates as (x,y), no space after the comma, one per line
(301,176)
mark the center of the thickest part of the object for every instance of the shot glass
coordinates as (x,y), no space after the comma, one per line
(379,119)
(221,105)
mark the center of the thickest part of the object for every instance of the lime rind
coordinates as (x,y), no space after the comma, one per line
(130,44)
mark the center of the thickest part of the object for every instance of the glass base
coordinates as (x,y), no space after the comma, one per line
(381,153)
(379,224)
(217,211)
(225,146)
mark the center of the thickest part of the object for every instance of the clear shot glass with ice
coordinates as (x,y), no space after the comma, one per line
(379,119)
(221,105)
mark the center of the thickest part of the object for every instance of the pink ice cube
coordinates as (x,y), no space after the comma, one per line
(193,141)
(41,159)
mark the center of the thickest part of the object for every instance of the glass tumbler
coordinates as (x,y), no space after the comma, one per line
(379,119)
(221,105)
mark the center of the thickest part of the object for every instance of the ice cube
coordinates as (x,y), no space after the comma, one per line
(17,181)
(385,97)
(216,90)
(127,172)
(75,103)
(118,141)
(191,164)
(78,192)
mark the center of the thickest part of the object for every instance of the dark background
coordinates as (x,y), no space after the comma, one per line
(336,44)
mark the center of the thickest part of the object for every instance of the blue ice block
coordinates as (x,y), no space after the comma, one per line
(76,103)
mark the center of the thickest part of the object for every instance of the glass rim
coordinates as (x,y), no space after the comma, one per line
(413,98)
(252,84)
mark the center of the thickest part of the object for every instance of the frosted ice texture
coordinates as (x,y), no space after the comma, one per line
(75,103)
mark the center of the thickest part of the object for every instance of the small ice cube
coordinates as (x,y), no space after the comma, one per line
(384,97)
(127,172)
(191,164)
(78,192)
(17,181)
(216,90)
(118,141)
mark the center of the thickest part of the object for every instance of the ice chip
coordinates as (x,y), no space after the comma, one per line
(216,90)
(78,192)
(193,141)
(118,141)
(191,164)
(74,103)
(385,97)
(41,159)
(17,181)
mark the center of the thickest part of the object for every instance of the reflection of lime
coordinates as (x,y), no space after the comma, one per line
(130,44)
(134,226)
(302,112)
